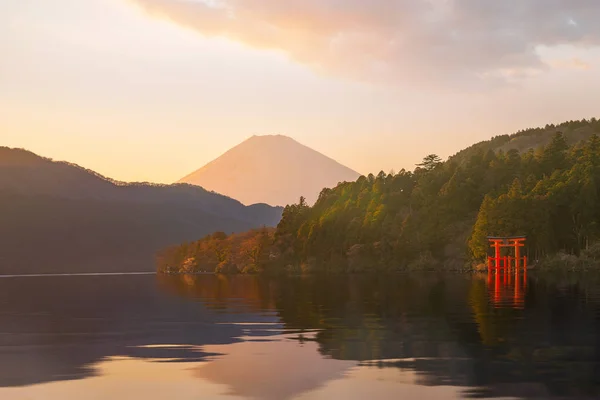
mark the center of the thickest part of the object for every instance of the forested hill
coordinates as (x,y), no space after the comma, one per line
(440,213)
(533,138)
(25,173)
(59,217)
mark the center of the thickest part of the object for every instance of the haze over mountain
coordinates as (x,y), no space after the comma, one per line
(272,169)
(59,217)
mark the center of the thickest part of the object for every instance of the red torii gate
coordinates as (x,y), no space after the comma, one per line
(497,243)
(502,265)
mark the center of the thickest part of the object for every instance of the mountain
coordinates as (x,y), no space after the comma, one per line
(59,217)
(437,216)
(272,169)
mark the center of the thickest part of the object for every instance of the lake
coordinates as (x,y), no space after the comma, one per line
(425,336)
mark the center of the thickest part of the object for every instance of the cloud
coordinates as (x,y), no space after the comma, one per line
(571,63)
(464,41)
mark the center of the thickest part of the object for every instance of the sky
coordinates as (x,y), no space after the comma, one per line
(151,90)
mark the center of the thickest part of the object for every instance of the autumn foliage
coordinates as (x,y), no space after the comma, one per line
(247,252)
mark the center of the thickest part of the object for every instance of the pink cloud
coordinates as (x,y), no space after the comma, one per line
(397,41)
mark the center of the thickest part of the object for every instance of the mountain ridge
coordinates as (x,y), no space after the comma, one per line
(61,217)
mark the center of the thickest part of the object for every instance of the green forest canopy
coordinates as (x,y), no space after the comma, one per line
(437,215)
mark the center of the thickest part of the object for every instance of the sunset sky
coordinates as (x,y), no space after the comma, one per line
(150,90)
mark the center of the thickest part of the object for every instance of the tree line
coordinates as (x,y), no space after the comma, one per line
(436,216)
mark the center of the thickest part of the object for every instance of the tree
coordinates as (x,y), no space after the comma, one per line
(553,156)
(302,202)
(430,162)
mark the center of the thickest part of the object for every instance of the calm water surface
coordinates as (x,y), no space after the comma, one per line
(423,336)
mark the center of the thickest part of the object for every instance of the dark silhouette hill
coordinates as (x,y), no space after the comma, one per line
(272,169)
(59,217)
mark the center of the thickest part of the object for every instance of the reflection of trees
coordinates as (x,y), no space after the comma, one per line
(220,292)
(493,320)
(552,341)
(447,328)
(362,317)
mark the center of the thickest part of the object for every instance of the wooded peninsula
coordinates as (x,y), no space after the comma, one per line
(542,183)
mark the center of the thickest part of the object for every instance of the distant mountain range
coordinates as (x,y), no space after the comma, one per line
(59,217)
(272,169)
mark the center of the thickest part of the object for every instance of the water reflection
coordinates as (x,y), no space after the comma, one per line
(58,328)
(273,369)
(427,336)
(511,336)
(507,287)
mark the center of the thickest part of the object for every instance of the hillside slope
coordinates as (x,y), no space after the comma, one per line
(533,138)
(59,217)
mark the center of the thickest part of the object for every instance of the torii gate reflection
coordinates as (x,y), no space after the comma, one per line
(503,289)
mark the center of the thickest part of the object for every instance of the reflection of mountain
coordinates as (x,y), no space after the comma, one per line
(448,330)
(58,217)
(250,369)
